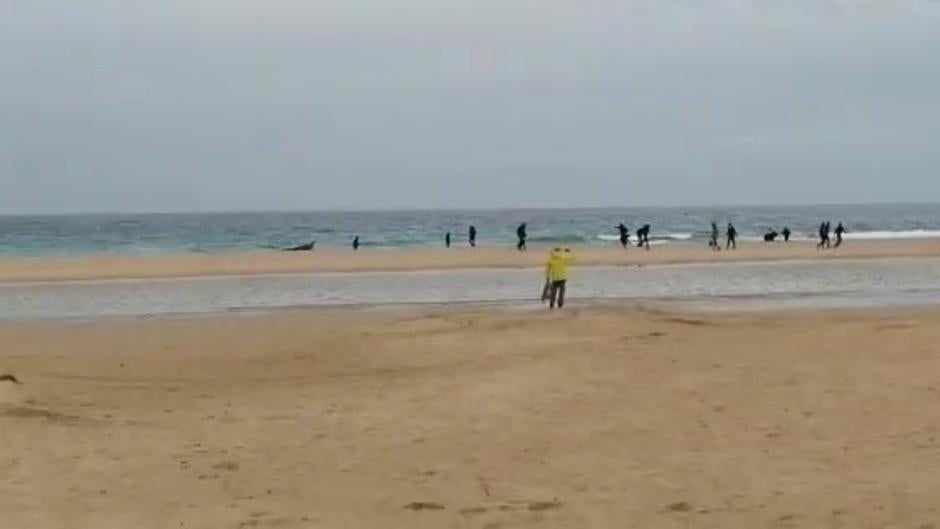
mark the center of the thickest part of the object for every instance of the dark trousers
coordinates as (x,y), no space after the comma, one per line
(557,294)
(521,245)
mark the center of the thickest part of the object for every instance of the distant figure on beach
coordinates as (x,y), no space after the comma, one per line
(302,248)
(824,236)
(356,243)
(713,240)
(840,229)
(643,237)
(771,236)
(556,277)
(522,235)
(447,240)
(786,234)
(732,234)
(473,236)
(624,235)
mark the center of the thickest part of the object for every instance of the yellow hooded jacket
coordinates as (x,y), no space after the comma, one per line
(556,268)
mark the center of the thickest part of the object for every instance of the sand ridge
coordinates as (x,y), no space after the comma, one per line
(331,260)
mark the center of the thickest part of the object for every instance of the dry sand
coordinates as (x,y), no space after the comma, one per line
(195,265)
(473,418)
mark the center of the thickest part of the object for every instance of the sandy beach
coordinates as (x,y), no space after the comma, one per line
(260,263)
(595,417)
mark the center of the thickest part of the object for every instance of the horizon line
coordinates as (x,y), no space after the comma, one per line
(448,209)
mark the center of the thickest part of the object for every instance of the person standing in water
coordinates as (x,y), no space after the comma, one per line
(522,235)
(732,234)
(447,240)
(713,241)
(840,229)
(643,237)
(556,276)
(786,234)
(473,236)
(356,242)
(624,235)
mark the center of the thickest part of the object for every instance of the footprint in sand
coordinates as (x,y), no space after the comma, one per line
(231,466)
(424,506)
(545,505)
(679,506)
(16,403)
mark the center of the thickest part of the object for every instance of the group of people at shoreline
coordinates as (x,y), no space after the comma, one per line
(642,237)
(555,284)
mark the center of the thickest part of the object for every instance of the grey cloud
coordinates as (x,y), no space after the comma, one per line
(208,104)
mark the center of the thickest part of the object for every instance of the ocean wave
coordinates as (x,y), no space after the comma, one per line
(760,238)
(901,234)
(653,238)
(563,238)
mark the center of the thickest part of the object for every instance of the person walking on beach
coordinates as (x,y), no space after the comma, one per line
(356,242)
(824,230)
(447,240)
(473,236)
(556,276)
(624,235)
(732,234)
(643,237)
(786,234)
(840,229)
(522,235)
(713,240)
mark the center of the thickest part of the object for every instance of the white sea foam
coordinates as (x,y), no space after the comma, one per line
(904,234)
(653,237)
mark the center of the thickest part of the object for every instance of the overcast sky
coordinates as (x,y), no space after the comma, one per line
(174,105)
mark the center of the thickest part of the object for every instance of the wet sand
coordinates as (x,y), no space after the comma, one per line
(595,417)
(260,263)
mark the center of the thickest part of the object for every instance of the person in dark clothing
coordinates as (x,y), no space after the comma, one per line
(356,243)
(447,240)
(732,234)
(824,241)
(473,236)
(643,237)
(771,236)
(840,229)
(522,235)
(824,230)
(713,239)
(786,234)
(624,235)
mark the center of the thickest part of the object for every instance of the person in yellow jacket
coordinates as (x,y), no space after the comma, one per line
(556,276)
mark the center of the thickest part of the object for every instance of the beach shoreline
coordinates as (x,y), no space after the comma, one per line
(167,266)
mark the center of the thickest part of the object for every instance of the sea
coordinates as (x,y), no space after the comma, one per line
(737,286)
(90,234)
